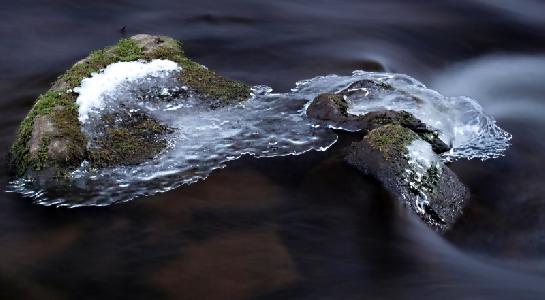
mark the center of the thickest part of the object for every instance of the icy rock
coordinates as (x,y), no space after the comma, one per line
(69,123)
(140,118)
(333,109)
(412,173)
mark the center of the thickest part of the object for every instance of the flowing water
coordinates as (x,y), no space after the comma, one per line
(292,227)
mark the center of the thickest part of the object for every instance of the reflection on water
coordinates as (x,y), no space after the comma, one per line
(307,227)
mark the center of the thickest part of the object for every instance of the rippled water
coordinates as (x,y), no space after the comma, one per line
(294,227)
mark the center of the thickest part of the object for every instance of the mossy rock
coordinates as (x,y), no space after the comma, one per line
(127,139)
(391,140)
(332,108)
(377,119)
(435,194)
(50,137)
(328,107)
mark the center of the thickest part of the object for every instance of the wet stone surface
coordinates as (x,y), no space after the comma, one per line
(412,173)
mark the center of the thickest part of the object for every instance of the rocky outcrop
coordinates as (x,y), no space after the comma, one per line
(50,141)
(412,173)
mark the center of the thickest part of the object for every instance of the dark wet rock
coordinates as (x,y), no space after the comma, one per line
(328,107)
(376,119)
(365,87)
(50,141)
(333,109)
(431,191)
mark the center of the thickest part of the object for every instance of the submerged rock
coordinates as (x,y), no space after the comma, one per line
(412,172)
(51,141)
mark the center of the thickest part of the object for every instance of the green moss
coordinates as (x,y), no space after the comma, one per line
(391,140)
(61,96)
(338,100)
(125,50)
(66,122)
(202,79)
(133,140)
(20,159)
(41,157)
(431,179)
(402,118)
(427,183)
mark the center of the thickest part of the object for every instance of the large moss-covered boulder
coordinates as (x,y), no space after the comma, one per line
(50,141)
(412,172)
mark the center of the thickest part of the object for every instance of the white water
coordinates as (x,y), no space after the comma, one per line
(269,124)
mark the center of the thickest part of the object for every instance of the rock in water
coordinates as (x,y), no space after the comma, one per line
(51,141)
(140,118)
(398,149)
(333,109)
(412,172)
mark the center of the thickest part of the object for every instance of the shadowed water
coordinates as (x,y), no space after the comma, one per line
(305,227)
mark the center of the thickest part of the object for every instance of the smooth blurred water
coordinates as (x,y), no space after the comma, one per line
(306,227)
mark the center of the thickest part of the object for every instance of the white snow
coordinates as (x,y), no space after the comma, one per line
(93,89)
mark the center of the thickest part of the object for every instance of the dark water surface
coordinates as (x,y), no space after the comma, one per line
(307,227)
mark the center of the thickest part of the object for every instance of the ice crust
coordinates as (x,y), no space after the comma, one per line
(95,89)
(421,159)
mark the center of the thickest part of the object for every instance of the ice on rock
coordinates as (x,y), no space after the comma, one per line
(460,121)
(94,89)
(267,125)
(421,155)
(424,167)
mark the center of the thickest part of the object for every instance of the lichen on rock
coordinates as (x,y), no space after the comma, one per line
(50,137)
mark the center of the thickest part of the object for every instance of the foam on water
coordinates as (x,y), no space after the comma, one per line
(269,124)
